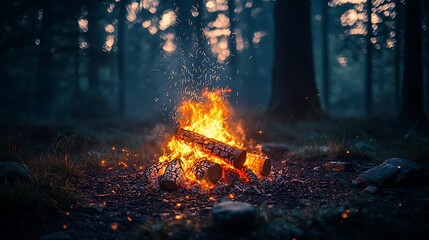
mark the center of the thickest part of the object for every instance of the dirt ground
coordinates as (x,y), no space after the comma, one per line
(299,199)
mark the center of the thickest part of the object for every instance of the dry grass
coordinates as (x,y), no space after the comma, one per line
(48,190)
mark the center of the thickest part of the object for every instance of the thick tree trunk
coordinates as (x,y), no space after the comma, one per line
(173,176)
(294,92)
(412,107)
(95,41)
(228,153)
(45,85)
(368,61)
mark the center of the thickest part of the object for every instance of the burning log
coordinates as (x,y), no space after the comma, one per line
(173,176)
(260,164)
(205,169)
(230,154)
(250,175)
(152,172)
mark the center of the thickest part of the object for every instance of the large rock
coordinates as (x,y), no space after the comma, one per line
(12,171)
(393,171)
(234,217)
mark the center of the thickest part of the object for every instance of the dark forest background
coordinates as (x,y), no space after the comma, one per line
(68,60)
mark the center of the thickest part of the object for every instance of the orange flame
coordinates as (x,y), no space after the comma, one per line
(210,117)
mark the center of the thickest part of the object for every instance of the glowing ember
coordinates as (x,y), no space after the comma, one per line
(211,117)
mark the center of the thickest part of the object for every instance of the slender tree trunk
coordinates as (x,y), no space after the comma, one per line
(95,44)
(398,55)
(45,88)
(412,107)
(121,57)
(325,54)
(368,61)
(294,92)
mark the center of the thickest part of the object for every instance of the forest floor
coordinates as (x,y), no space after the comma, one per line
(85,183)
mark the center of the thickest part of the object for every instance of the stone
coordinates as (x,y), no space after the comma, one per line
(12,172)
(381,175)
(371,190)
(56,236)
(393,171)
(234,217)
(409,172)
(335,166)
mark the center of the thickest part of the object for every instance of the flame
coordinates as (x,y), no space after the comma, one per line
(211,116)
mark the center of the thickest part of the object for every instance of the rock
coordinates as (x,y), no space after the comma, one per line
(234,217)
(393,171)
(371,189)
(409,171)
(56,236)
(381,175)
(12,172)
(339,166)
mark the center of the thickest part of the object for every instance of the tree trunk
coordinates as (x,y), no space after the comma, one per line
(325,54)
(294,92)
(45,85)
(95,41)
(412,107)
(368,61)
(398,50)
(121,57)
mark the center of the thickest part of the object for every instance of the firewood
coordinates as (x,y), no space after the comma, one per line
(230,154)
(250,175)
(208,170)
(260,164)
(173,176)
(152,172)
(231,175)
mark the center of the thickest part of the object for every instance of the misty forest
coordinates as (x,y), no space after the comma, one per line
(214,119)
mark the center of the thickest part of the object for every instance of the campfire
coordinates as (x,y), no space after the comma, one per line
(209,146)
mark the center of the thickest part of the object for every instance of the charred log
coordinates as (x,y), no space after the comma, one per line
(173,176)
(230,154)
(152,172)
(231,175)
(250,175)
(208,170)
